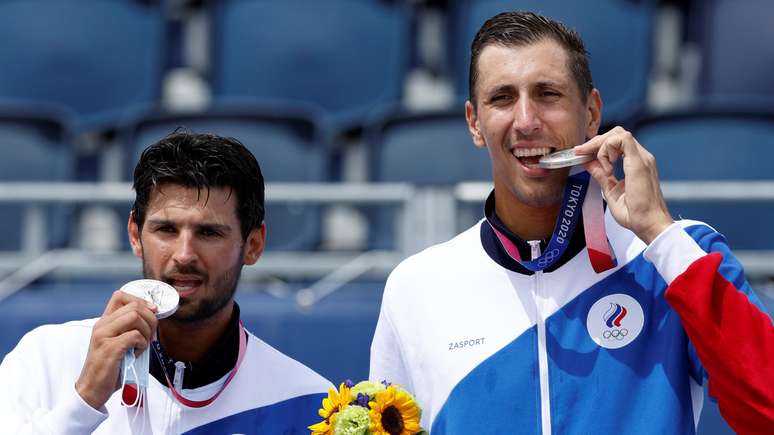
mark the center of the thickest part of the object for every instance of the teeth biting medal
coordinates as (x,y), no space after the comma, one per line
(563,159)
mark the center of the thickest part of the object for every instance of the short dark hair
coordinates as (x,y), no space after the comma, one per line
(519,28)
(201,161)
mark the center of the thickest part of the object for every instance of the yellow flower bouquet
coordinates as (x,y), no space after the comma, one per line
(368,408)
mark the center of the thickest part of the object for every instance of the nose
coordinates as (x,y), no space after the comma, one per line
(526,117)
(185,249)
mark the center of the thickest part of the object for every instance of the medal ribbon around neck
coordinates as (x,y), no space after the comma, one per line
(582,194)
(599,250)
(201,403)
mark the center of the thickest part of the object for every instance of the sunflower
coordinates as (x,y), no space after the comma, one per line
(335,402)
(394,412)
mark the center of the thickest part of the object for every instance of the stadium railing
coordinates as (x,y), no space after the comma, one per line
(427,216)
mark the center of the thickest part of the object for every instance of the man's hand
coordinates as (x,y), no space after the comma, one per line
(128,322)
(636,202)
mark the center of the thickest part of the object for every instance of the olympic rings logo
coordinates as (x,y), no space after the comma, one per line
(547,258)
(615,334)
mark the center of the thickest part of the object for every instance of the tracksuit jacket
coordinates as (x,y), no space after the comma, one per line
(269,394)
(489,347)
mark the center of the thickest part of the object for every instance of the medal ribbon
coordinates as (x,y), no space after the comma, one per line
(202,403)
(600,252)
(582,194)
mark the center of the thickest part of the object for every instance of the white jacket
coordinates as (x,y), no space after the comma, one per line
(270,393)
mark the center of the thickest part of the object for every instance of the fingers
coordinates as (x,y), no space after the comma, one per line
(110,350)
(124,313)
(612,146)
(638,203)
(592,145)
(134,316)
(127,322)
(617,137)
(119,299)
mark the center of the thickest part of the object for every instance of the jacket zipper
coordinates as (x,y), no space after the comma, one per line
(545,401)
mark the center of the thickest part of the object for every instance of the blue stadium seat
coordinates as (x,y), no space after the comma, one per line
(35,144)
(717,145)
(735,39)
(97,57)
(290,145)
(308,334)
(346,56)
(433,148)
(425,148)
(617,34)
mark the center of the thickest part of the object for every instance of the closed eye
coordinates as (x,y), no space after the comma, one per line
(208,232)
(549,90)
(213,230)
(169,229)
(502,98)
(500,94)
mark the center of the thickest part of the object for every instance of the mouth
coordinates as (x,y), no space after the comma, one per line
(186,286)
(529,157)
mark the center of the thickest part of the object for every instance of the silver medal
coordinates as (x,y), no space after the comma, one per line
(161,294)
(563,159)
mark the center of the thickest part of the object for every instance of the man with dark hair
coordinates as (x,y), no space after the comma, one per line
(196,221)
(526,324)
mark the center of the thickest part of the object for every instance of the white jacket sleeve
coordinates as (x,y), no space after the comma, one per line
(37,387)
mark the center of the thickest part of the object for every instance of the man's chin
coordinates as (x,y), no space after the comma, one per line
(541,198)
(188,311)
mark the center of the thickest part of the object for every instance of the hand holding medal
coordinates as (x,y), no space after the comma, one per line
(636,202)
(128,322)
(135,369)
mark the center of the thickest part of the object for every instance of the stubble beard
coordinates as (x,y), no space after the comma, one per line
(547,196)
(542,194)
(221,294)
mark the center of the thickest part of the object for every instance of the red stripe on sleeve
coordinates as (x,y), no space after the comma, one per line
(735,343)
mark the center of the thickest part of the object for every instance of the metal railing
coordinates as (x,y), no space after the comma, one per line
(19,268)
(427,215)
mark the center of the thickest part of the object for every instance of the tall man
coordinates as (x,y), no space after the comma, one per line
(196,221)
(529,322)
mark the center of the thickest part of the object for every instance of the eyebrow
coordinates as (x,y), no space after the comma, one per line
(508,88)
(500,89)
(551,84)
(206,225)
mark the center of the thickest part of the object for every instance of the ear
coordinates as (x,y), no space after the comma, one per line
(594,111)
(254,245)
(470,116)
(134,235)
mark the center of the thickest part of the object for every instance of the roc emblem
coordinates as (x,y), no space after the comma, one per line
(615,321)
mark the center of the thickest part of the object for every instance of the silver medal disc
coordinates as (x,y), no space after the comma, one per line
(161,294)
(563,159)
